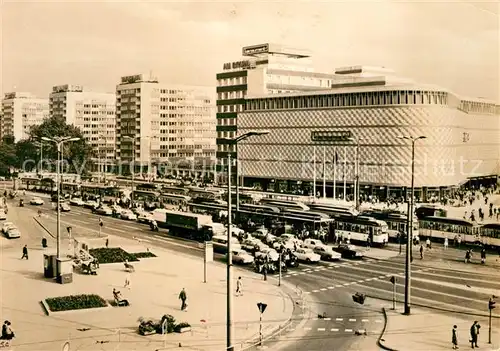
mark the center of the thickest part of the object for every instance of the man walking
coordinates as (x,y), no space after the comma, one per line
(421,252)
(483,255)
(25,252)
(239,287)
(454,337)
(446,243)
(474,333)
(183,298)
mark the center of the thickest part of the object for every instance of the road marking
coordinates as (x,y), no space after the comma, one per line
(323,289)
(315,291)
(336,266)
(317,270)
(294,274)
(287,276)
(378,321)
(338,286)
(352,319)
(302,273)
(328,319)
(129,226)
(331,287)
(364,320)
(388,275)
(321,329)
(306,269)
(307,328)
(339,319)
(381,276)
(307,292)
(345,284)
(348,330)
(362,331)
(361,280)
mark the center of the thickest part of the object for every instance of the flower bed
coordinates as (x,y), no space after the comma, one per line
(75,302)
(112,255)
(146,254)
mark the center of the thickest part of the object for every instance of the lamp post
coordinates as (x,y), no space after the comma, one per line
(59,141)
(229,323)
(409,234)
(132,163)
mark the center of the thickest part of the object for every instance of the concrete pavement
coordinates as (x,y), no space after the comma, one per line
(428,331)
(154,291)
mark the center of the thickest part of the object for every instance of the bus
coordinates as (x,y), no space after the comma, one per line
(361,229)
(396,222)
(284,204)
(490,234)
(440,228)
(173,200)
(174,190)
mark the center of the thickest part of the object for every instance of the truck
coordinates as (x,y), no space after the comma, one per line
(187,225)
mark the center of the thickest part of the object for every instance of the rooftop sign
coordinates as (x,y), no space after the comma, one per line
(255,49)
(246,64)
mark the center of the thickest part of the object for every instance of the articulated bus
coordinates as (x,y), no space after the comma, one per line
(361,229)
(444,227)
(396,221)
(283,204)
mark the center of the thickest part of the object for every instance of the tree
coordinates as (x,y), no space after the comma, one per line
(8,157)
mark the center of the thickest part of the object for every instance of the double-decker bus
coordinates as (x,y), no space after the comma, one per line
(443,227)
(396,222)
(284,204)
(490,234)
(361,229)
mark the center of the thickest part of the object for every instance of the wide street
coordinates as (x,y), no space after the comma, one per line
(441,280)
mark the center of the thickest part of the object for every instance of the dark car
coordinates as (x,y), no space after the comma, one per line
(350,251)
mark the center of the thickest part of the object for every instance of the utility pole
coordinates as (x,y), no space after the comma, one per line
(229,278)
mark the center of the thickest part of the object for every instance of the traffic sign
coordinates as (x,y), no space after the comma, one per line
(262,307)
(393,280)
(491,304)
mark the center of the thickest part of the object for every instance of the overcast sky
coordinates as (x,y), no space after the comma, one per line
(453,44)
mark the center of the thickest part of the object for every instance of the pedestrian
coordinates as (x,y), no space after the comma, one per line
(483,255)
(7,333)
(474,334)
(239,287)
(25,252)
(428,243)
(459,240)
(264,271)
(446,243)
(421,252)
(127,281)
(454,337)
(468,255)
(183,298)
(107,242)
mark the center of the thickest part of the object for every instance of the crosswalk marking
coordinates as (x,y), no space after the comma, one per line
(348,330)
(364,320)
(321,329)
(331,287)
(338,285)
(315,290)
(352,319)
(328,319)
(334,330)
(339,319)
(323,289)
(307,328)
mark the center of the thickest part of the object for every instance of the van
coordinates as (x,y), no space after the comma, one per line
(220,244)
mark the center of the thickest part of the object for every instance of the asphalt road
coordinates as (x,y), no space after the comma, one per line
(332,284)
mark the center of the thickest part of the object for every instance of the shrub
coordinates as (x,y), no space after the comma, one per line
(181,325)
(143,254)
(75,302)
(112,255)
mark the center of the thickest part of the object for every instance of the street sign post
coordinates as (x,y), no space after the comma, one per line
(393,281)
(262,307)
(207,257)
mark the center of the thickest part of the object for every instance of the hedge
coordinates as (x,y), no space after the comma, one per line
(75,302)
(112,255)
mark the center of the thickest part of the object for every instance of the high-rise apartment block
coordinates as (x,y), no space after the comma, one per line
(93,113)
(163,123)
(22,111)
(265,69)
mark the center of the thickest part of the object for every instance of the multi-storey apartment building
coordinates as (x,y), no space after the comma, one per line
(165,125)
(264,69)
(93,113)
(21,111)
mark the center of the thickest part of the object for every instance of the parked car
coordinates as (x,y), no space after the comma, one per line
(312,243)
(104,210)
(306,255)
(235,231)
(64,207)
(327,253)
(250,244)
(271,254)
(242,257)
(77,201)
(36,201)
(91,204)
(269,239)
(260,233)
(350,251)
(6,226)
(13,233)
(144,217)
(3,215)
(129,215)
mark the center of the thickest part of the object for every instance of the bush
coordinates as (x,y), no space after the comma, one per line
(181,325)
(112,255)
(75,302)
(143,254)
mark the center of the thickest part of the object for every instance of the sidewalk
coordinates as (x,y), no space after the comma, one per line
(428,331)
(155,287)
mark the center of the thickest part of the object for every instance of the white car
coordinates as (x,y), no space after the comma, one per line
(251,243)
(260,233)
(64,207)
(271,254)
(307,255)
(77,201)
(129,215)
(36,201)
(104,210)
(144,217)
(242,257)
(6,226)
(312,243)
(3,215)
(91,204)
(13,233)
(327,253)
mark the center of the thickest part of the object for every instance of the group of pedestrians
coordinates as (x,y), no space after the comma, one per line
(474,335)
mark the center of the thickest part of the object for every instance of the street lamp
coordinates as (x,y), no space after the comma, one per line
(409,231)
(132,162)
(234,141)
(59,141)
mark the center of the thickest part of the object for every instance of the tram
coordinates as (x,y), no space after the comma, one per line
(361,229)
(443,227)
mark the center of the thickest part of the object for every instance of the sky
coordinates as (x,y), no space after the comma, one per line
(453,44)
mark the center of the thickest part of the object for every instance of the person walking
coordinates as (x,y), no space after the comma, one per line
(483,255)
(25,252)
(468,255)
(264,270)
(446,243)
(183,298)
(107,242)
(239,287)
(127,281)
(421,252)
(474,334)
(454,337)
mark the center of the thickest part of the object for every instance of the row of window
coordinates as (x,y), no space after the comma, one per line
(226,135)
(226,121)
(446,227)
(231,81)
(230,108)
(232,95)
